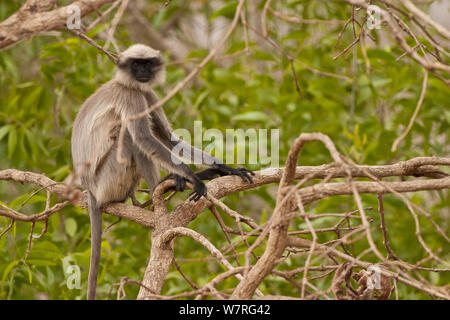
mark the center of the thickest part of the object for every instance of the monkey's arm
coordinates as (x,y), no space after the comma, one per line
(144,139)
(163,131)
(162,128)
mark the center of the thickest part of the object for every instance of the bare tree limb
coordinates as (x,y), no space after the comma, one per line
(33,19)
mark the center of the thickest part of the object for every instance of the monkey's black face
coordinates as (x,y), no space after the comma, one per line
(144,70)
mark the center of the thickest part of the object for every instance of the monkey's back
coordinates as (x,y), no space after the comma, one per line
(94,146)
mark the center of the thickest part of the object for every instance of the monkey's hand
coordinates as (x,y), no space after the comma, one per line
(245,174)
(180,182)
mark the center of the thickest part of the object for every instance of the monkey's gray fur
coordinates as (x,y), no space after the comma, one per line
(147,144)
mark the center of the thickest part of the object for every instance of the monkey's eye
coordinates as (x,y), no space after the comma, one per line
(134,64)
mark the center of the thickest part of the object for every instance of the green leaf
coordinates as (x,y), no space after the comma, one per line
(363,80)
(8,269)
(381,54)
(225,110)
(12,104)
(46,246)
(12,141)
(32,99)
(30,274)
(158,18)
(19,200)
(226,11)
(223,75)
(33,144)
(200,53)
(25,85)
(61,173)
(381,82)
(263,217)
(262,55)
(200,99)
(251,116)
(70,225)
(50,277)
(41,262)
(4,131)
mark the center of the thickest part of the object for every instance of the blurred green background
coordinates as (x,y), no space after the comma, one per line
(45,80)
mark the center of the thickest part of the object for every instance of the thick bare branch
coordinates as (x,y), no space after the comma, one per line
(33,19)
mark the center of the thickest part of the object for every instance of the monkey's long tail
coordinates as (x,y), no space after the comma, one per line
(95,214)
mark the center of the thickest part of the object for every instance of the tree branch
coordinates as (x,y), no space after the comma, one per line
(33,19)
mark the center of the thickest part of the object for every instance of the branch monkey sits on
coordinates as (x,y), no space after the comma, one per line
(147,144)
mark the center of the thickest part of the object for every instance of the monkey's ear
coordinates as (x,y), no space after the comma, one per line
(121,62)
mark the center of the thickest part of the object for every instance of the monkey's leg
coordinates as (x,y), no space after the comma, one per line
(148,170)
(145,166)
(154,149)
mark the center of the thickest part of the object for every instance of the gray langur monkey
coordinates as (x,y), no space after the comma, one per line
(147,144)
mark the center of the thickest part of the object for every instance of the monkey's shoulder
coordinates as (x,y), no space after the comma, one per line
(117,90)
(114,95)
(114,101)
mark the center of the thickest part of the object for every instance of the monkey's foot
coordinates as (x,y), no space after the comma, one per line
(180,185)
(199,191)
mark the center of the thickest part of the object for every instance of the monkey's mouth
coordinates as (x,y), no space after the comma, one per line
(144,79)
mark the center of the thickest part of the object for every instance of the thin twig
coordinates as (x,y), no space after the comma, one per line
(414,116)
